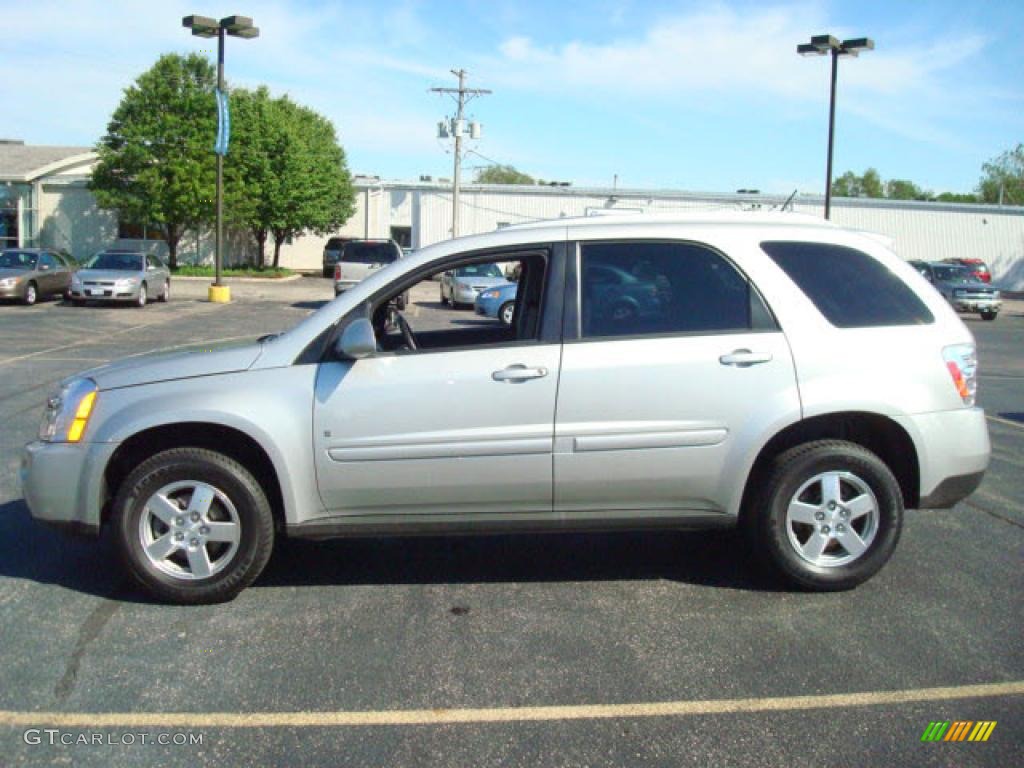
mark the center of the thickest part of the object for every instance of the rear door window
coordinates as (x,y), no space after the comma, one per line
(849,287)
(369,253)
(648,288)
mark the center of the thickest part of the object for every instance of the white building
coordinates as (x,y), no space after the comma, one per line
(44,201)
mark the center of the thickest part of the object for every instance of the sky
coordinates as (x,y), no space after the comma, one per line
(702,96)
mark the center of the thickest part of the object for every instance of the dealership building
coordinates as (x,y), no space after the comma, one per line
(45,201)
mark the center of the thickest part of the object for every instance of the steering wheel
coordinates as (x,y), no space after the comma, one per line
(407,335)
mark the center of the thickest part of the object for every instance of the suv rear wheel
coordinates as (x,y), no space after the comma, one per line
(193,526)
(829,515)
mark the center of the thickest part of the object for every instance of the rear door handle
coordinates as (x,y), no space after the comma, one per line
(744,358)
(519,372)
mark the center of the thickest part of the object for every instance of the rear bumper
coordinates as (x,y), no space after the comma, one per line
(953,454)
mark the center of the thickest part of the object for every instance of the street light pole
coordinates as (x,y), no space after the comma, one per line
(236,26)
(219,236)
(822,45)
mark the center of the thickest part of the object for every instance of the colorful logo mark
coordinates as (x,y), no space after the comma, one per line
(958,730)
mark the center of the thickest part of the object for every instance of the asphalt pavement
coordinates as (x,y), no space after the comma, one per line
(697,656)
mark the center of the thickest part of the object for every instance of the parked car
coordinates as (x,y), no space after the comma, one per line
(499,302)
(332,251)
(977,267)
(962,289)
(795,379)
(28,274)
(461,286)
(121,276)
(361,258)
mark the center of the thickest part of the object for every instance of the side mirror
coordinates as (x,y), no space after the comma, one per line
(357,340)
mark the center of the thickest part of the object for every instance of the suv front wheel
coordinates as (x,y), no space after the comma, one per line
(828,515)
(193,526)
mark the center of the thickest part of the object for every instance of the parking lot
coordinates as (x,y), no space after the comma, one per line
(599,649)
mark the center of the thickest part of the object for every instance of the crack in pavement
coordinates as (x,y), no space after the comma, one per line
(87,633)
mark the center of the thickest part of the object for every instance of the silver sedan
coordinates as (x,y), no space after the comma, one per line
(121,276)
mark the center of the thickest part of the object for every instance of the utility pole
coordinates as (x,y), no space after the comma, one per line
(462,96)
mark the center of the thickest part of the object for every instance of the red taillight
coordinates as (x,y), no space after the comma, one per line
(962,364)
(985,277)
(337,271)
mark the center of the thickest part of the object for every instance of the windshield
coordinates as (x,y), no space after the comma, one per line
(125,262)
(479,270)
(951,274)
(369,253)
(17,260)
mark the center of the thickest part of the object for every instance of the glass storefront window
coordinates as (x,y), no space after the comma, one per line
(17,216)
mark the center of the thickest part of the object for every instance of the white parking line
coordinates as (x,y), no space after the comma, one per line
(1005,422)
(502,714)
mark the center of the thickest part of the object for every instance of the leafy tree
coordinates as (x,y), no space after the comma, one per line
(1003,178)
(902,189)
(957,197)
(257,137)
(288,174)
(313,189)
(852,185)
(502,174)
(871,184)
(156,163)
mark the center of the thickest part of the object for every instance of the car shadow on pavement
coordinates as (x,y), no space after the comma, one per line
(32,551)
(706,558)
(309,304)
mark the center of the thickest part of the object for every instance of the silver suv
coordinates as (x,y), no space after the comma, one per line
(781,374)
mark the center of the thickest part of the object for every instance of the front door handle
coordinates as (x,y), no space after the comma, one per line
(519,372)
(744,358)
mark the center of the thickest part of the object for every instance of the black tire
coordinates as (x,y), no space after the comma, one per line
(241,488)
(78,302)
(31,294)
(143,296)
(989,316)
(444,299)
(508,306)
(165,295)
(769,531)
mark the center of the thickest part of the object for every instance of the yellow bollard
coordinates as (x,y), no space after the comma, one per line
(220,294)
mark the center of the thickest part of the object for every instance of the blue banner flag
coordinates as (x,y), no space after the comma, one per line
(223,123)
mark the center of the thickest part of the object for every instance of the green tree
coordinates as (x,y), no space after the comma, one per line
(847,185)
(871,184)
(902,189)
(257,136)
(1003,178)
(156,164)
(287,175)
(957,197)
(312,189)
(502,174)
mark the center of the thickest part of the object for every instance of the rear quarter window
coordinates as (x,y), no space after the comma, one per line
(849,287)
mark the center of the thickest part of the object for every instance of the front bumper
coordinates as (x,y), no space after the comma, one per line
(63,483)
(107,293)
(977,305)
(15,291)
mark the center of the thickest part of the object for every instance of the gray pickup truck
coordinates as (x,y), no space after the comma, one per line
(961,288)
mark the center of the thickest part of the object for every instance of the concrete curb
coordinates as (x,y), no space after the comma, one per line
(187,279)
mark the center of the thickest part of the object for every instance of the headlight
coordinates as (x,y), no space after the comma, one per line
(8,282)
(76,279)
(67,412)
(126,282)
(489,295)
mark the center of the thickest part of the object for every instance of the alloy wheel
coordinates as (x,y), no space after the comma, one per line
(832,519)
(189,530)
